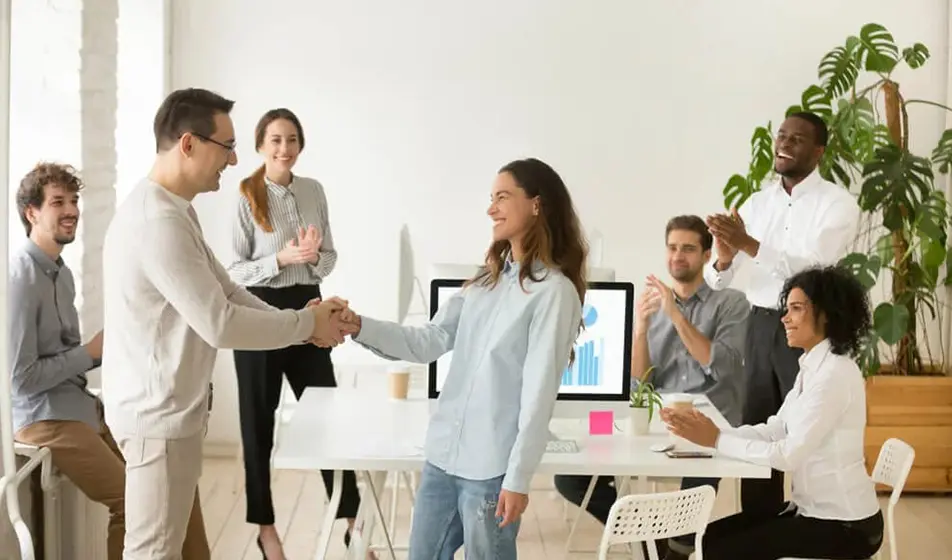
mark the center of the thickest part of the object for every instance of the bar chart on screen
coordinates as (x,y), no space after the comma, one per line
(588,368)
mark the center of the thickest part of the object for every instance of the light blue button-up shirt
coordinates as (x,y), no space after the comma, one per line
(510,345)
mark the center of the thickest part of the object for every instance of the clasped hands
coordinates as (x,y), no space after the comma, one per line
(333,320)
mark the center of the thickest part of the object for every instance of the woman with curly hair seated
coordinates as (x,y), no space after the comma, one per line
(816,436)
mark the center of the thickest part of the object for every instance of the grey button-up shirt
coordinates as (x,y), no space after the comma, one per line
(721,316)
(47,362)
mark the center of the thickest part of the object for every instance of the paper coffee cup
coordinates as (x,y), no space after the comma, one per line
(399,383)
(680,401)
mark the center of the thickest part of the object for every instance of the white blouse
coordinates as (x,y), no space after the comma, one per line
(816,436)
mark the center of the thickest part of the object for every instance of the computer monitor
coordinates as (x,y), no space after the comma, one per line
(600,376)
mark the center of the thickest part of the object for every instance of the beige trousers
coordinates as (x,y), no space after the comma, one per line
(92,461)
(161,483)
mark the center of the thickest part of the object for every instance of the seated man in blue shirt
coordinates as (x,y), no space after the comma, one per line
(52,407)
(694,338)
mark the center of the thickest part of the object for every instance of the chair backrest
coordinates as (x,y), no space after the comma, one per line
(649,517)
(892,469)
(893,466)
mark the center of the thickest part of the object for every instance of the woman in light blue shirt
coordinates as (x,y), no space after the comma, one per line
(511,330)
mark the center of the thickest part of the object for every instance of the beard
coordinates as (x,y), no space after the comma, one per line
(65,239)
(686,275)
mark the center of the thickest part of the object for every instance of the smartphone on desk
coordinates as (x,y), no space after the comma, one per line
(682,454)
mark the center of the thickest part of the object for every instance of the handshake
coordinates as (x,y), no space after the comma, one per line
(333,320)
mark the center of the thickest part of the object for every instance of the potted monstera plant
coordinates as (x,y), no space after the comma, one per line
(902,253)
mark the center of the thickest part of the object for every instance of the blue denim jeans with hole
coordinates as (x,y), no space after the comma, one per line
(450,512)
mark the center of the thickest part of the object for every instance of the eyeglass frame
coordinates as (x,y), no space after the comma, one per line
(230,148)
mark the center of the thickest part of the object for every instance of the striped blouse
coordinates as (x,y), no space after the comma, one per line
(255,251)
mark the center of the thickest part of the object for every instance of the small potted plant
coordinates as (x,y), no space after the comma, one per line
(644,401)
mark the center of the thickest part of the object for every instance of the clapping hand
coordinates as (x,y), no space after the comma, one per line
(303,249)
(730,234)
(665,294)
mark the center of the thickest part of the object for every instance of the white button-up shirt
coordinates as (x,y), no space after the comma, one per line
(817,436)
(815,225)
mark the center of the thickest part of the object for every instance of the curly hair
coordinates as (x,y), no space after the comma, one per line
(838,297)
(32,191)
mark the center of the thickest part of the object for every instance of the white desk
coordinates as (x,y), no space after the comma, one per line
(346,429)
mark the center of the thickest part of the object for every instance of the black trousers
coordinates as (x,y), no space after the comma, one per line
(572,488)
(753,536)
(259,389)
(770,369)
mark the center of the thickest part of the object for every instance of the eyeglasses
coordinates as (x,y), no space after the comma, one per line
(230,148)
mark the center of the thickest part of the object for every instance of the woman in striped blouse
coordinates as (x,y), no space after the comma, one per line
(283,250)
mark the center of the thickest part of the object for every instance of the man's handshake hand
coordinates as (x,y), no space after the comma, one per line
(333,320)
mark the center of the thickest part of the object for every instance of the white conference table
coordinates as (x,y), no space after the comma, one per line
(348,429)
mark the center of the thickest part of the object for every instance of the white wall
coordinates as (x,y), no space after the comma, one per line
(410,107)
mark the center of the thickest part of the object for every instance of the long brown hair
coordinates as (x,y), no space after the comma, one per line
(555,240)
(253,187)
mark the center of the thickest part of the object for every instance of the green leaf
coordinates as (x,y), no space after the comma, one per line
(854,128)
(890,322)
(737,191)
(916,55)
(895,179)
(838,69)
(761,154)
(876,51)
(942,154)
(793,109)
(868,359)
(932,219)
(884,248)
(816,100)
(948,268)
(865,268)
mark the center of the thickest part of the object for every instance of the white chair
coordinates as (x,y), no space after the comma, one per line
(649,517)
(892,469)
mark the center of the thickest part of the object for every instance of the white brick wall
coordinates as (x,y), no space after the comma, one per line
(98,94)
(64,103)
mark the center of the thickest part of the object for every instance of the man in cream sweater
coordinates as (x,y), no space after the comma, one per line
(169,305)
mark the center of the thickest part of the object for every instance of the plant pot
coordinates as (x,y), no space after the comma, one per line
(638,421)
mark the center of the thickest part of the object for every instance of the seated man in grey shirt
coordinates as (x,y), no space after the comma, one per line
(52,407)
(692,335)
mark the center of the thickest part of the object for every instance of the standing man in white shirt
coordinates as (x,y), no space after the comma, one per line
(169,305)
(800,221)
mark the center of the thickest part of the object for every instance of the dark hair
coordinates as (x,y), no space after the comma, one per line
(691,223)
(556,240)
(253,187)
(839,298)
(32,190)
(188,110)
(820,132)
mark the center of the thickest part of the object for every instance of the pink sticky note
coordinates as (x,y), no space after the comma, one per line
(601,422)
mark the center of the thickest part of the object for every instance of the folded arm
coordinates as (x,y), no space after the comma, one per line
(421,345)
(31,372)
(552,332)
(185,272)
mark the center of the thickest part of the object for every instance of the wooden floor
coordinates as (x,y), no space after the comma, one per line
(923,528)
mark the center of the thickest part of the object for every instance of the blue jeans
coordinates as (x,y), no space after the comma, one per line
(450,511)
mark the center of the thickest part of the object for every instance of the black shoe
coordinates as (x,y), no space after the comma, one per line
(347,538)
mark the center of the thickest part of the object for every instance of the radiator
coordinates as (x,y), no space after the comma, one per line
(75,526)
